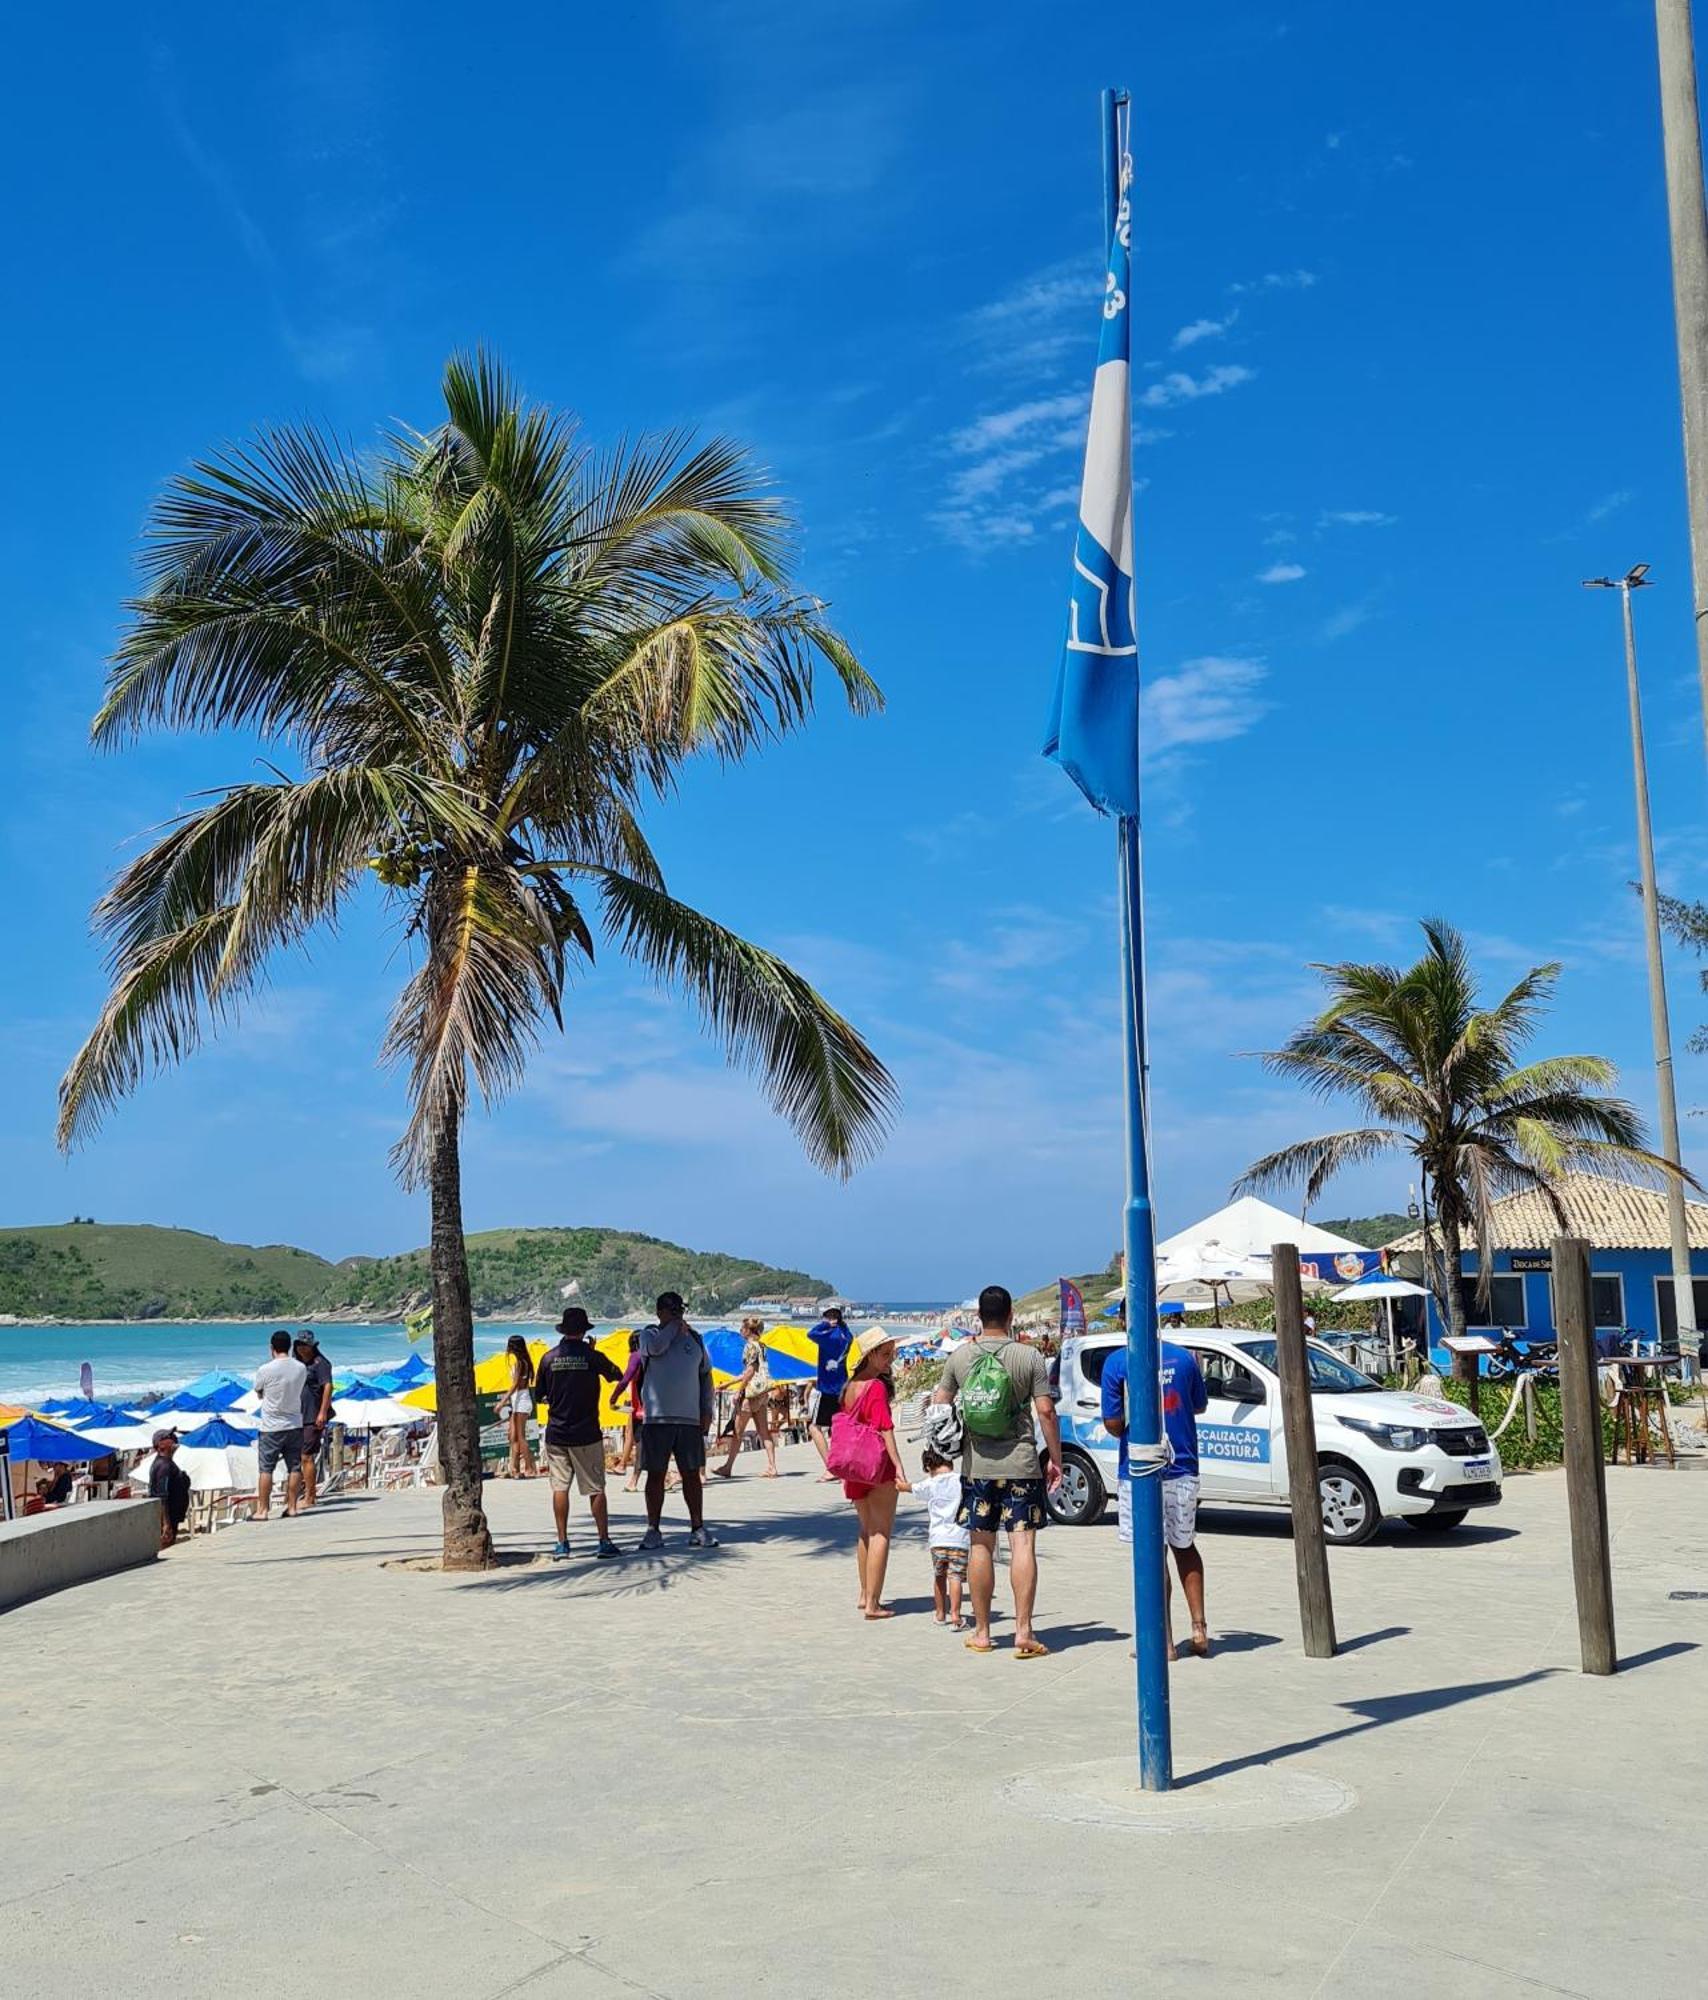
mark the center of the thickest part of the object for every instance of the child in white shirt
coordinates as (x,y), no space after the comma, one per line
(949,1540)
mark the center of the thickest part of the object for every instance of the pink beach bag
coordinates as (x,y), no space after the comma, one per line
(856,1451)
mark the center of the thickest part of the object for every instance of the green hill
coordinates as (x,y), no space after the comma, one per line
(518,1273)
(108,1270)
(91,1271)
(1370,1230)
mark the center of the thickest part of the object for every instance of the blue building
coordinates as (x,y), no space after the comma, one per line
(1630,1261)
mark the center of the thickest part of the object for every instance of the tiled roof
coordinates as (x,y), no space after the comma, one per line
(1612,1215)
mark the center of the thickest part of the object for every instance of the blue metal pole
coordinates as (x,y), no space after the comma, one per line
(1138,1236)
(1144,1390)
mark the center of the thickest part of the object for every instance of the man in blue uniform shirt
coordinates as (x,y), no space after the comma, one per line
(1183,1400)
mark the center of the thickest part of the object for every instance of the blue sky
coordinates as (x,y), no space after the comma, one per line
(1405,322)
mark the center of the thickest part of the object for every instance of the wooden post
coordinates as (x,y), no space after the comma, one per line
(1310,1554)
(1586,1477)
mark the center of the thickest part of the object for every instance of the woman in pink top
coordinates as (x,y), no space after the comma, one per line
(867,1400)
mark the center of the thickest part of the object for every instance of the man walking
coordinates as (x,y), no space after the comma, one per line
(567,1382)
(1183,1400)
(1003,1385)
(676,1414)
(279,1384)
(316,1408)
(833,1340)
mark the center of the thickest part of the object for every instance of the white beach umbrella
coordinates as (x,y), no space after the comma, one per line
(229,1468)
(1380,1288)
(379,1413)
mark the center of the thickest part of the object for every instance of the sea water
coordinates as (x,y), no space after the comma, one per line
(128,1359)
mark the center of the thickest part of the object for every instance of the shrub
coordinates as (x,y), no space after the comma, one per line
(1515,1445)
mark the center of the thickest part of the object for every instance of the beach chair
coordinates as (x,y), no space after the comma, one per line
(420,1471)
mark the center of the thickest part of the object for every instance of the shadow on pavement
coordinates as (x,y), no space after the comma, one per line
(1670,1651)
(1372,1638)
(1378,1711)
(1238,1642)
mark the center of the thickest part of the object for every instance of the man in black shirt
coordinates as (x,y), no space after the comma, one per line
(567,1382)
(168,1483)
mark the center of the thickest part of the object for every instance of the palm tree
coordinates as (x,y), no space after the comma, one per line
(1442,1075)
(481,651)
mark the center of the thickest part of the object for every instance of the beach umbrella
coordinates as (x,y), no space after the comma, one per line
(83,1415)
(137,1434)
(359,1389)
(55,1405)
(723,1351)
(411,1370)
(217,1431)
(213,1383)
(230,1468)
(1378,1287)
(378,1413)
(35,1439)
(491,1376)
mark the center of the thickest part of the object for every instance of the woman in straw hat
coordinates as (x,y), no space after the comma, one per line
(866,1399)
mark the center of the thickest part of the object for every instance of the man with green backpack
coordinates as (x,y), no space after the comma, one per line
(1001,1385)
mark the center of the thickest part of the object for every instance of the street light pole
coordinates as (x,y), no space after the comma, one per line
(1681,140)
(1683,1291)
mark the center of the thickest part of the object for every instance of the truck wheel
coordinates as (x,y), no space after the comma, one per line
(1438,1524)
(1350,1513)
(1081,1497)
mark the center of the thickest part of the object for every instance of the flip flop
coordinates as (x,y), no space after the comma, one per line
(973,1646)
(1032,1650)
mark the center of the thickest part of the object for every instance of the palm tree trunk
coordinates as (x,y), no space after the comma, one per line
(468,1545)
(1464,1365)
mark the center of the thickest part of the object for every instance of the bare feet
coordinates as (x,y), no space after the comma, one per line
(1201,1641)
(881,1612)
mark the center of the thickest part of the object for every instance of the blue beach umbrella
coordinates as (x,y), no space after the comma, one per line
(360,1389)
(47,1444)
(723,1350)
(411,1370)
(215,1432)
(81,1415)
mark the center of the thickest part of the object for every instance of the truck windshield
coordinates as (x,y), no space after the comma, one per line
(1329,1373)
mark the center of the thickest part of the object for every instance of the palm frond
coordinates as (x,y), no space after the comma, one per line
(815,1067)
(1312,1163)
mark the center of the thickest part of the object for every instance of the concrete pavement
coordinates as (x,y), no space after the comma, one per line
(269,1761)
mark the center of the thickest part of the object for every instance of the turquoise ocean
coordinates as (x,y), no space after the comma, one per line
(128,1359)
(41,1361)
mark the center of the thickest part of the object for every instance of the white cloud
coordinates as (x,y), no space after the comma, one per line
(1355,517)
(1282,572)
(1179,387)
(1203,329)
(1277,281)
(1346,620)
(1610,504)
(1001,427)
(1208,700)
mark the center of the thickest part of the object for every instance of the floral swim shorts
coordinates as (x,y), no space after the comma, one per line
(989,1504)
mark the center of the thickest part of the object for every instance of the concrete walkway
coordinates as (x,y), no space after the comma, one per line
(269,1764)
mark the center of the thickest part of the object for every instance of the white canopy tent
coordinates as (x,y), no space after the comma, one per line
(1228,1253)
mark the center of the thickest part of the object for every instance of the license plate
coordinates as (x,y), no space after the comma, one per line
(1477,1468)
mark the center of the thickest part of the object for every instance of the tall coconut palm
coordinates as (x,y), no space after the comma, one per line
(1442,1074)
(481,651)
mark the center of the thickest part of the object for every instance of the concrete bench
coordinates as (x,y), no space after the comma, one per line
(72,1544)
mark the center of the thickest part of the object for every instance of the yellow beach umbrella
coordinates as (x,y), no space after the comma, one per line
(491,1377)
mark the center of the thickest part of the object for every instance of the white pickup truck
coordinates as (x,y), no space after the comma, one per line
(1380,1452)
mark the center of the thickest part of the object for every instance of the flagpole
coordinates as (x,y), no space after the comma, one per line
(1144,1396)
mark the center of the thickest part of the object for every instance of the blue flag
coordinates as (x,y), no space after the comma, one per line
(1094,719)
